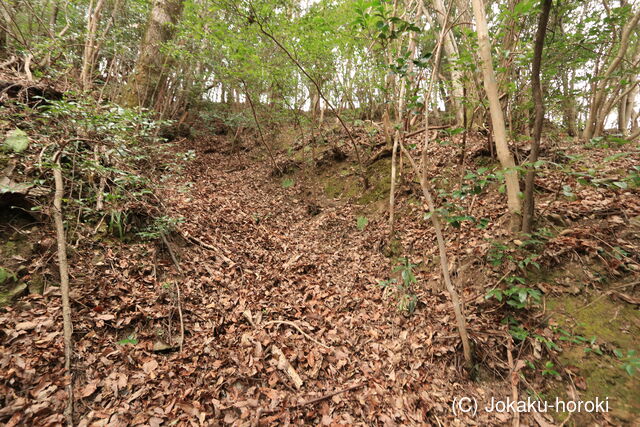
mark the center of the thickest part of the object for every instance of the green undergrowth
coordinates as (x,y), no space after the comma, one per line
(579,331)
(112,160)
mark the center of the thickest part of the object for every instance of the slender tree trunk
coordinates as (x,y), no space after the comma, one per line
(622,115)
(255,117)
(458,309)
(451,49)
(627,101)
(53,19)
(536,89)
(628,110)
(4,37)
(315,101)
(428,93)
(595,120)
(435,220)
(90,44)
(151,64)
(569,105)
(386,127)
(400,131)
(321,118)
(497,118)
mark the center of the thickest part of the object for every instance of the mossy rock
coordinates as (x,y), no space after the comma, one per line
(9,286)
(19,247)
(11,293)
(6,276)
(36,285)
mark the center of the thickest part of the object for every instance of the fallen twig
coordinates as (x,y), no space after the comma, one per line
(296,327)
(207,246)
(175,262)
(27,67)
(315,400)
(8,62)
(514,384)
(431,127)
(180,317)
(329,395)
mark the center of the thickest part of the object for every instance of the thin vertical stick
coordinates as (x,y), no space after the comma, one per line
(64,283)
(429,90)
(435,220)
(400,132)
(180,316)
(444,263)
(255,117)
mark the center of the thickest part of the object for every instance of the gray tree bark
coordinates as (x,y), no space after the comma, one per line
(497,117)
(150,66)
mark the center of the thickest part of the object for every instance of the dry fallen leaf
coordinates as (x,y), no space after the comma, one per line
(26,326)
(150,366)
(89,389)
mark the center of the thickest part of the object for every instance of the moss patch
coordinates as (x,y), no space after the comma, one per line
(8,293)
(15,248)
(379,176)
(615,326)
(15,245)
(340,183)
(9,286)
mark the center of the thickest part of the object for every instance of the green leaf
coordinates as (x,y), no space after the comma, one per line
(566,190)
(494,293)
(519,333)
(629,368)
(523,7)
(362,222)
(287,182)
(16,141)
(616,156)
(482,223)
(131,339)
(6,275)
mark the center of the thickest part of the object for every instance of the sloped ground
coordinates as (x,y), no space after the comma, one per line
(268,259)
(283,319)
(320,272)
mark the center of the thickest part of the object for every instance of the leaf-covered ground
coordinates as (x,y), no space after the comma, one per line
(284,320)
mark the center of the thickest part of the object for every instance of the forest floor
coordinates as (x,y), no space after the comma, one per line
(278,292)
